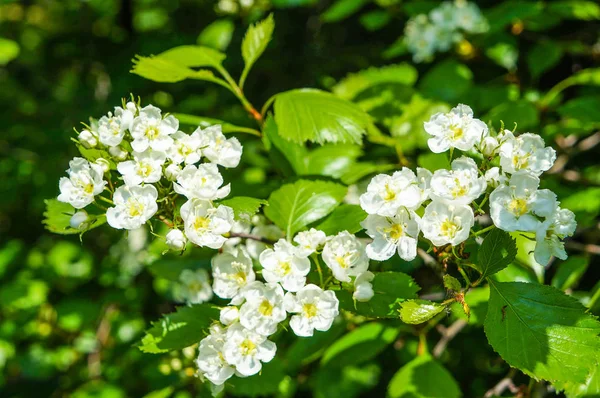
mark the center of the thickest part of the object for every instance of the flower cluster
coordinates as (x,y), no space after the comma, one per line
(425,35)
(442,205)
(145,164)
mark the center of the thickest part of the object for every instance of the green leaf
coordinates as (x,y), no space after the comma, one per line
(447,81)
(317,116)
(507,12)
(342,9)
(543,56)
(244,207)
(477,300)
(375,20)
(497,251)
(355,83)
(423,377)
(57,218)
(266,383)
(170,266)
(590,388)
(569,272)
(180,329)
(9,50)
(255,42)
(575,9)
(21,294)
(418,311)
(582,109)
(541,331)
(306,350)
(523,113)
(360,345)
(193,56)
(347,381)
(391,290)
(162,393)
(217,35)
(294,206)
(344,218)
(451,283)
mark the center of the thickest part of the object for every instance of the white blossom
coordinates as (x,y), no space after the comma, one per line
(146,167)
(218,149)
(445,223)
(149,129)
(309,241)
(420,37)
(194,287)
(525,152)
(176,240)
(551,232)
(79,220)
(469,18)
(392,234)
(461,185)
(211,357)
(229,315)
(87,138)
(386,194)
(83,183)
(246,350)
(269,231)
(494,177)
(112,128)
(205,224)
(231,272)
(489,146)
(284,264)
(134,206)
(185,148)
(514,207)
(363,289)
(202,182)
(455,129)
(345,255)
(263,309)
(172,171)
(117,152)
(104,164)
(313,309)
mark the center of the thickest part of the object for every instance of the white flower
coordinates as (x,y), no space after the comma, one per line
(444,16)
(84,182)
(194,287)
(445,223)
(493,177)
(229,315)
(149,129)
(468,17)
(345,255)
(271,232)
(231,272)
(206,224)
(176,240)
(133,206)
(363,289)
(314,309)
(420,37)
(172,171)
(202,182)
(424,183)
(186,148)
(514,207)
(525,152)
(111,128)
(79,220)
(246,350)
(390,234)
(309,241)
(263,309)
(461,185)
(211,357)
(87,138)
(117,152)
(489,146)
(146,167)
(456,129)
(104,164)
(550,233)
(284,264)
(218,149)
(386,194)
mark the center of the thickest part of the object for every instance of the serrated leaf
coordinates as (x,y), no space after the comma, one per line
(266,383)
(255,42)
(180,329)
(418,311)
(344,218)
(541,331)
(57,218)
(244,207)
(497,251)
(294,206)
(390,288)
(317,116)
(193,56)
(423,377)
(355,83)
(451,283)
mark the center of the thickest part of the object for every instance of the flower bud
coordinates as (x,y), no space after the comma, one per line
(363,289)
(117,152)
(489,146)
(87,139)
(176,240)
(79,220)
(229,315)
(104,164)
(172,172)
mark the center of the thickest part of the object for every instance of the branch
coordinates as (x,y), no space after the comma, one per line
(447,334)
(505,383)
(102,335)
(251,237)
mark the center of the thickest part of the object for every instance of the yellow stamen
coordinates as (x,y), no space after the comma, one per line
(395,231)
(310,310)
(518,206)
(449,228)
(265,308)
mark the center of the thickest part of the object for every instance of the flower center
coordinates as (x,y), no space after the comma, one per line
(458,190)
(152,132)
(247,347)
(518,206)
(389,193)
(201,223)
(395,231)
(448,228)
(456,133)
(144,169)
(135,208)
(265,308)
(285,267)
(520,162)
(341,260)
(309,310)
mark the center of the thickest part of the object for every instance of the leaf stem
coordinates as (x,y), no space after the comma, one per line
(315,257)
(482,231)
(238,92)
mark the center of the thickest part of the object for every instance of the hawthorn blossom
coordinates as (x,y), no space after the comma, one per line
(229,315)
(392,234)
(145,168)
(263,309)
(185,148)
(218,149)
(309,241)
(231,271)
(194,287)
(284,264)
(314,309)
(345,255)
(551,232)
(363,289)
(445,223)
(201,182)
(386,194)
(176,240)
(134,206)
(205,224)
(247,350)
(85,181)
(525,152)
(87,138)
(211,360)
(461,185)
(111,128)
(455,129)
(150,130)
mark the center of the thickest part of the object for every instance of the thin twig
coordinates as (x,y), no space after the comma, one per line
(251,237)
(102,335)
(505,383)
(447,335)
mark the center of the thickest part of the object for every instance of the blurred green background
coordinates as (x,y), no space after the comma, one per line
(70,314)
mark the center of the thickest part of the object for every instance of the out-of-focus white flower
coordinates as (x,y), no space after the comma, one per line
(514,207)
(211,357)
(390,234)
(194,287)
(217,148)
(469,18)
(185,148)
(229,315)
(386,194)
(176,240)
(117,152)
(172,171)
(363,289)
(263,309)
(80,220)
(206,224)
(150,130)
(420,38)
(201,182)
(494,177)
(309,241)
(247,350)
(285,265)
(456,129)
(83,183)
(134,206)
(550,233)
(146,167)
(345,255)
(525,152)
(87,138)
(271,232)
(111,128)
(444,16)
(461,185)
(445,223)
(314,309)
(231,272)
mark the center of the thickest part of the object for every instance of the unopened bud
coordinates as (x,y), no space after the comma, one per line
(172,172)
(117,152)
(80,220)
(87,139)
(176,240)
(104,164)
